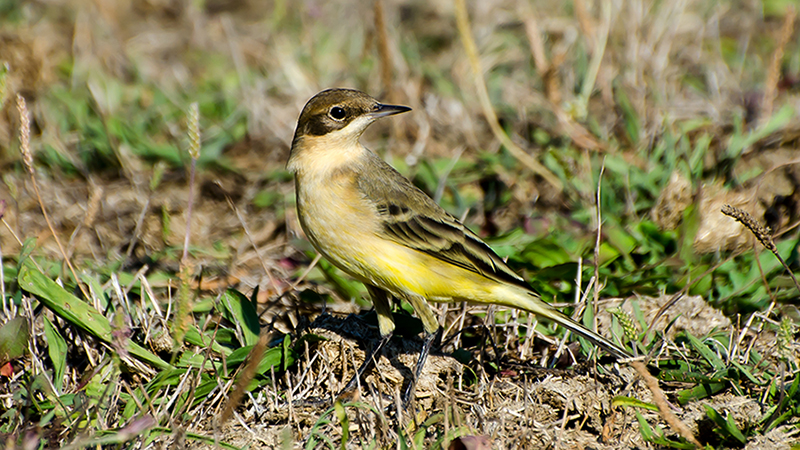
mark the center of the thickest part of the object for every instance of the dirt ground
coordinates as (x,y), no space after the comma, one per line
(524,407)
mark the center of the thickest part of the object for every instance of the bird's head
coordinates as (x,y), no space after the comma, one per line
(339,117)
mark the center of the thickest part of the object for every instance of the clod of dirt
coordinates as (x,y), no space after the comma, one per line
(783,437)
(715,231)
(691,314)
(745,412)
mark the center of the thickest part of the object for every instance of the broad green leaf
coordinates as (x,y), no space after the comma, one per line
(14,336)
(746,371)
(699,392)
(545,253)
(280,357)
(27,248)
(194,337)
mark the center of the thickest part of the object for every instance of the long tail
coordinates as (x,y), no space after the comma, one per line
(566,322)
(530,301)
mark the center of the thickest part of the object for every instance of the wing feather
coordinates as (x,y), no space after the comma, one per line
(411,218)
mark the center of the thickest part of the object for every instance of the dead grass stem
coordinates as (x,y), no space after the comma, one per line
(244,379)
(663,405)
(183,316)
(774,69)
(462,22)
(27,159)
(252,241)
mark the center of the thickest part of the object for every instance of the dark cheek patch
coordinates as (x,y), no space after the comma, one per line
(321,124)
(317,126)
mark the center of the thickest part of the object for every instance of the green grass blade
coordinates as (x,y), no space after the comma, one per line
(699,392)
(78,313)
(57,349)
(238,309)
(706,352)
(344,422)
(627,401)
(727,428)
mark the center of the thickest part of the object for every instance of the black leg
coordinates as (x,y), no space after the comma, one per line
(370,359)
(429,340)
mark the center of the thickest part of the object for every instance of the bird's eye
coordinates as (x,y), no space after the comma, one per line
(337,113)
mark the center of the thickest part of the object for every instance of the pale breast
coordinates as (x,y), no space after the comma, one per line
(337,221)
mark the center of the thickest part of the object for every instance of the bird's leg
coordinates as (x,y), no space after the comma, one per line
(433,333)
(371,358)
(429,340)
(380,299)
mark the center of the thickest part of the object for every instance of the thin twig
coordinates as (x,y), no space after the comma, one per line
(2,272)
(599,216)
(249,235)
(306,272)
(245,377)
(92,208)
(746,328)
(383,50)
(546,70)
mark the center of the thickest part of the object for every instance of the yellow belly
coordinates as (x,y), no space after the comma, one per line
(346,230)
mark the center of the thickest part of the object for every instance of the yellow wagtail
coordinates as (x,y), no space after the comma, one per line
(374,224)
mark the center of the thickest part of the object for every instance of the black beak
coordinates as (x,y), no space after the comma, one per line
(388,110)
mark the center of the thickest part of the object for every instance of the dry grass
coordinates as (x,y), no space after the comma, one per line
(556,85)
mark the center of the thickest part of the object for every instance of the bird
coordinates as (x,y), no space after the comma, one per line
(371,222)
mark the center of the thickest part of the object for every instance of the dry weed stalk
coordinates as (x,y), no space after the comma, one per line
(774,70)
(584,21)
(184,314)
(6,309)
(27,159)
(279,292)
(92,208)
(194,154)
(548,71)
(599,218)
(462,22)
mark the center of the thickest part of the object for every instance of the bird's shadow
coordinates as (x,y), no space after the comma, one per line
(362,329)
